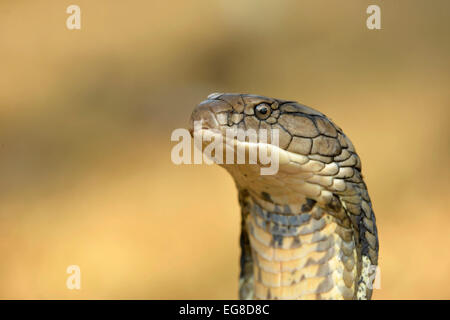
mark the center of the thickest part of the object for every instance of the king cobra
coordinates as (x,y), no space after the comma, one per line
(308,231)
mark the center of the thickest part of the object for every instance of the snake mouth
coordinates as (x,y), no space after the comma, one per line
(285,162)
(229,150)
(258,158)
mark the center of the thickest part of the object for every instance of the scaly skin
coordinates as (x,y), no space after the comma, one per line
(308,231)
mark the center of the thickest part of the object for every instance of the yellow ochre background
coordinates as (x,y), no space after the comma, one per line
(86,117)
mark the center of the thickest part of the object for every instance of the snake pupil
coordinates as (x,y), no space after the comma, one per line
(262,110)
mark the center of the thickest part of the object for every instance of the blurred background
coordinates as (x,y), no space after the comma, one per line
(86,116)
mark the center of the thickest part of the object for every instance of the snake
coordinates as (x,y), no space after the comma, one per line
(309,230)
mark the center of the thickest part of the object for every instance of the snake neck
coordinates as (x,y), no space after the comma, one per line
(301,252)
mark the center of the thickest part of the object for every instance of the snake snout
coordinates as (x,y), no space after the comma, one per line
(204,115)
(202,118)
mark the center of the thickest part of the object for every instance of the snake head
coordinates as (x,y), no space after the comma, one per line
(308,144)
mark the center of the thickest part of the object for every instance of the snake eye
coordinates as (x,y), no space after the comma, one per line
(263,111)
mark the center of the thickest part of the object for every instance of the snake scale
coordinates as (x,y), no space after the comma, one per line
(308,231)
